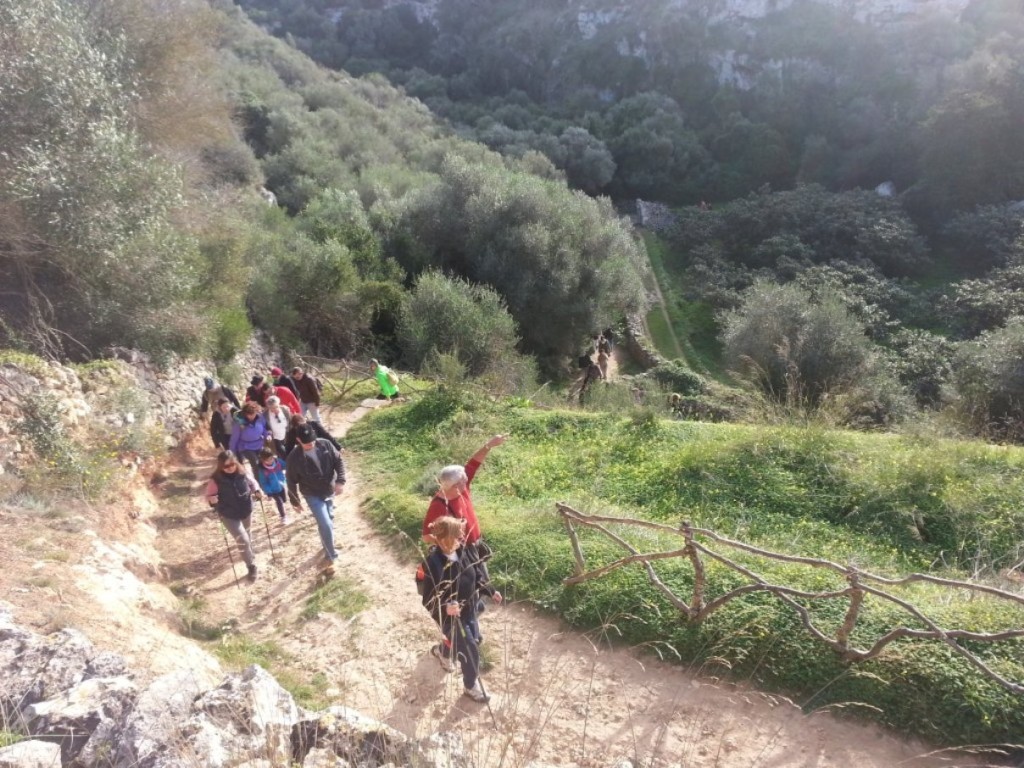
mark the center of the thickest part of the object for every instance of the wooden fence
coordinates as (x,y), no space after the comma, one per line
(696,547)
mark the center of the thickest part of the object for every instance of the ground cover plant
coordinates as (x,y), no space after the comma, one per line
(886,504)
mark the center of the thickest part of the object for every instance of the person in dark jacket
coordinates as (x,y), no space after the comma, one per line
(222,424)
(315,467)
(212,392)
(309,393)
(451,595)
(297,421)
(258,391)
(230,492)
(282,379)
(249,434)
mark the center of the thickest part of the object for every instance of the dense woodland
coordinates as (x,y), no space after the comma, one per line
(455,188)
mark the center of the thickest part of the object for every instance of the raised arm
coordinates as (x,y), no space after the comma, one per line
(481,454)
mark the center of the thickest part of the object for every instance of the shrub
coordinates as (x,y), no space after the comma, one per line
(675,376)
(450,315)
(988,375)
(797,350)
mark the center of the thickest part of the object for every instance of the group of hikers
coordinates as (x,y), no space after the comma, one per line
(594,361)
(269,449)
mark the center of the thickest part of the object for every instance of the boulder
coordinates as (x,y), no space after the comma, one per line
(34,669)
(30,754)
(85,719)
(354,739)
(153,725)
(247,717)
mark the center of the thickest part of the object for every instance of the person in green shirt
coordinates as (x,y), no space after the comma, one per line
(387,380)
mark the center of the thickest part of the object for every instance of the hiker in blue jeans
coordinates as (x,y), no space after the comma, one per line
(315,468)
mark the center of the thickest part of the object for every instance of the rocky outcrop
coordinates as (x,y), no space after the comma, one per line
(126,392)
(81,707)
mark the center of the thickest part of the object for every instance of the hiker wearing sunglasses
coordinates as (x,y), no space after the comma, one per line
(230,492)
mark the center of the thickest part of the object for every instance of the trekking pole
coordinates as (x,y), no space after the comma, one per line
(231,557)
(479,680)
(267,526)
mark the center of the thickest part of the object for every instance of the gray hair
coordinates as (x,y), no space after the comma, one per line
(273,400)
(451,475)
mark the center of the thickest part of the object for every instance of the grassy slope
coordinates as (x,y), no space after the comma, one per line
(886,503)
(693,322)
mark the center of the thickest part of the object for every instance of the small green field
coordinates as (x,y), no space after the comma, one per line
(887,504)
(691,323)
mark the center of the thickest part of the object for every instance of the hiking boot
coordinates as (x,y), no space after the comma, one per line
(252,572)
(476,693)
(445,662)
(328,571)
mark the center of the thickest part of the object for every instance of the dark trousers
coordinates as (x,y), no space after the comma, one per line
(279,447)
(463,647)
(279,500)
(253,457)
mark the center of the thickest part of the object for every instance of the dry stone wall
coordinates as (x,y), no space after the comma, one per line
(118,393)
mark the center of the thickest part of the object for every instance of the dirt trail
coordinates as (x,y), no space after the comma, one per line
(558,697)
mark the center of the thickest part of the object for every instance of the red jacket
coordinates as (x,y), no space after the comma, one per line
(461,507)
(288,399)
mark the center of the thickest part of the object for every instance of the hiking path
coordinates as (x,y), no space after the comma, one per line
(559,697)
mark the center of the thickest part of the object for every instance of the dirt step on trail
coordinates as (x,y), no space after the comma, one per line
(558,697)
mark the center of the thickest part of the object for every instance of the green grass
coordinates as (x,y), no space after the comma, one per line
(657,326)
(7,738)
(693,322)
(889,504)
(338,596)
(238,652)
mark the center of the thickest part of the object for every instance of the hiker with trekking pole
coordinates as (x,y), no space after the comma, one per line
(453,582)
(315,468)
(230,492)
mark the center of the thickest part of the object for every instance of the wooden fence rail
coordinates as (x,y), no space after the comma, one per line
(696,547)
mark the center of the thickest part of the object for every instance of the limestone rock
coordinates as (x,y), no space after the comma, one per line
(85,718)
(359,740)
(324,758)
(248,717)
(350,735)
(30,754)
(154,723)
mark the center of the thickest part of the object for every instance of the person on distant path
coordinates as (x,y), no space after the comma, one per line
(602,363)
(278,418)
(249,434)
(387,380)
(282,379)
(212,392)
(593,373)
(309,393)
(222,424)
(453,499)
(230,491)
(315,467)
(609,336)
(270,476)
(297,421)
(451,594)
(258,391)
(286,398)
